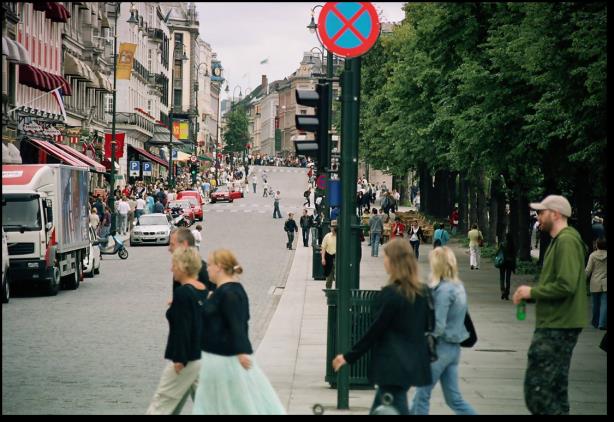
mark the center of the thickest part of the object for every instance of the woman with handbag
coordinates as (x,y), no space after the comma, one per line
(450,310)
(505,260)
(400,357)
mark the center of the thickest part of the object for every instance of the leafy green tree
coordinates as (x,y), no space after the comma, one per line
(236,134)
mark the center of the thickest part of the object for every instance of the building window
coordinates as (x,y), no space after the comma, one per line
(177,99)
(149,106)
(108,108)
(178,38)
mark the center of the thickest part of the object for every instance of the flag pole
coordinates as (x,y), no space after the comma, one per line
(34,99)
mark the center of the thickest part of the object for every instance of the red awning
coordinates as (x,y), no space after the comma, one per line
(57,12)
(52,149)
(97,167)
(39,79)
(150,156)
(42,6)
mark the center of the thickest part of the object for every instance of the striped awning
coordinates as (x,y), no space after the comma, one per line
(56,12)
(14,51)
(79,69)
(44,81)
(105,83)
(92,77)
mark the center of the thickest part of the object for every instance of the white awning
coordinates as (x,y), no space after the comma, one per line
(14,51)
(10,154)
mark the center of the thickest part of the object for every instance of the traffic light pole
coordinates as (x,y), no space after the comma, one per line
(347,262)
(326,164)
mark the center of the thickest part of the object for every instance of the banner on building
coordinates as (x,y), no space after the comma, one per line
(181,129)
(119,145)
(124,60)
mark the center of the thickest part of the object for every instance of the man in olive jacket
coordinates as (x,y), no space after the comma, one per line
(560,311)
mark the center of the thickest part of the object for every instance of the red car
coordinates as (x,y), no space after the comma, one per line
(195,199)
(222,193)
(186,206)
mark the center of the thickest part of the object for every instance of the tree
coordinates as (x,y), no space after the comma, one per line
(236,134)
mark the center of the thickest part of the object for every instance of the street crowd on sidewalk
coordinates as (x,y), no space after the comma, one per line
(419,328)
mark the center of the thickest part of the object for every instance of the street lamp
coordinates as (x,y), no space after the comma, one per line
(321,57)
(233,93)
(131,21)
(178,48)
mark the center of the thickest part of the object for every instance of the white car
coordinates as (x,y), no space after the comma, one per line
(91,262)
(152,229)
(6,295)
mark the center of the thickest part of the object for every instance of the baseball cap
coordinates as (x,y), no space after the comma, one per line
(555,203)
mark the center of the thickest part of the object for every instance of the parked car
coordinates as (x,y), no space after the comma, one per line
(6,295)
(222,193)
(151,229)
(91,261)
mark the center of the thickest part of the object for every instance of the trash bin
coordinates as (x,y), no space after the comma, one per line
(317,269)
(362,310)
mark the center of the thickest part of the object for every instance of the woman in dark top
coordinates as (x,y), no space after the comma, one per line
(231,381)
(509,264)
(185,331)
(397,336)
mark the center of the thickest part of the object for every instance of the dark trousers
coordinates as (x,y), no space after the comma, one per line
(547,376)
(308,202)
(416,247)
(305,236)
(290,240)
(399,398)
(276,211)
(505,276)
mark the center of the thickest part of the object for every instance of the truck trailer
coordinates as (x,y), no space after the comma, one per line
(45,215)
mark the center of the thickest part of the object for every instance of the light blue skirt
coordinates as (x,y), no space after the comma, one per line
(226,388)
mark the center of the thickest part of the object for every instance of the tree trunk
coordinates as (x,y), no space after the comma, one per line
(584,204)
(491,235)
(513,217)
(473,203)
(482,205)
(451,199)
(463,203)
(524,227)
(502,219)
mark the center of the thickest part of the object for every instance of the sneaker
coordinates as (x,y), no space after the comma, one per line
(472,267)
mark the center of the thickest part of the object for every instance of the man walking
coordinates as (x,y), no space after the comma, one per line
(376,227)
(306,223)
(560,310)
(276,212)
(254,181)
(290,227)
(329,252)
(123,208)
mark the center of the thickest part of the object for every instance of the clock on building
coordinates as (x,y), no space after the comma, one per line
(217,72)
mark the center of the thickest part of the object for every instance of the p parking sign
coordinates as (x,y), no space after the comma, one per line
(146,168)
(135,168)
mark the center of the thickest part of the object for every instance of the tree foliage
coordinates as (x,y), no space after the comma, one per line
(236,134)
(511,90)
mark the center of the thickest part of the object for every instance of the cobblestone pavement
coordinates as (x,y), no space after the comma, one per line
(99,349)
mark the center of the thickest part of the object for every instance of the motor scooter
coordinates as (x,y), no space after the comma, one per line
(179,218)
(118,246)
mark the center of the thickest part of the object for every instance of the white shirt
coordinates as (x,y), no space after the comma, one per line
(140,204)
(197,237)
(123,207)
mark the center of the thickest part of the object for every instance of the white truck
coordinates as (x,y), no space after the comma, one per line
(46,220)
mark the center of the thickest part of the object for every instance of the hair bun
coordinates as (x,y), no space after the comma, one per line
(237,269)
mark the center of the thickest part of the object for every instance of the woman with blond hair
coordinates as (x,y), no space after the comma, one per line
(397,336)
(183,346)
(231,381)
(450,308)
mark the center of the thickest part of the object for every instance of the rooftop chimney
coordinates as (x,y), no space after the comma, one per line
(265,84)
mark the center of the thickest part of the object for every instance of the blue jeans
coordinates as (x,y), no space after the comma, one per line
(444,369)
(276,211)
(375,237)
(600,309)
(416,247)
(399,398)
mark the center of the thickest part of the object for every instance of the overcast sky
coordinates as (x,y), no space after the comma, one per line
(244,34)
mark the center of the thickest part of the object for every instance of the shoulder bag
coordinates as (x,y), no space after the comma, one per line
(473,336)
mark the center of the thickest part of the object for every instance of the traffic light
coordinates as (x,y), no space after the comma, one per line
(316,123)
(193,171)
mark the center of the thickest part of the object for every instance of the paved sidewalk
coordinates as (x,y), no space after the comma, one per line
(293,351)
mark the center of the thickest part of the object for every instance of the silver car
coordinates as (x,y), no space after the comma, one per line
(151,229)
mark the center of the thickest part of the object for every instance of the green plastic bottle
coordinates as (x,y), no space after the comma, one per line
(521,310)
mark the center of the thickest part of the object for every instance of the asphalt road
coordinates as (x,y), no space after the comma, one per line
(99,349)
